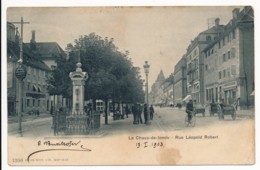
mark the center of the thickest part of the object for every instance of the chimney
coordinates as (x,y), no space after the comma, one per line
(17,36)
(33,42)
(217,22)
(235,13)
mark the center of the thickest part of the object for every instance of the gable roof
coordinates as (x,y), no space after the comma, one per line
(28,58)
(48,49)
(243,16)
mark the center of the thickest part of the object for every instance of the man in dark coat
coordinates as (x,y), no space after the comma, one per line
(145,113)
(151,112)
(189,109)
(135,113)
(140,120)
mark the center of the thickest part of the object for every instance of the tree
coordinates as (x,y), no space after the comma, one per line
(111,72)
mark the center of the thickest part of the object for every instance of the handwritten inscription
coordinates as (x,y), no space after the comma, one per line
(58,146)
(62,143)
(147,144)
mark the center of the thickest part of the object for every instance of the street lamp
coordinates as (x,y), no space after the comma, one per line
(146,71)
(20,74)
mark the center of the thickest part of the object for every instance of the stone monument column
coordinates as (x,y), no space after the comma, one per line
(78,79)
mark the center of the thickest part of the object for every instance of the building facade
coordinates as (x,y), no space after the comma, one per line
(156,95)
(180,81)
(229,62)
(49,52)
(34,93)
(194,62)
(168,91)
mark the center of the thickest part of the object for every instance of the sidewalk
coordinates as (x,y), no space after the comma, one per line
(248,113)
(126,126)
(26,117)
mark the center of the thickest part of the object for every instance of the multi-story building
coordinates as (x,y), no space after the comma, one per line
(34,95)
(180,81)
(156,95)
(49,52)
(194,61)
(229,62)
(168,90)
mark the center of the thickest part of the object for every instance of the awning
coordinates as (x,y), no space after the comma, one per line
(188,97)
(39,89)
(35,88)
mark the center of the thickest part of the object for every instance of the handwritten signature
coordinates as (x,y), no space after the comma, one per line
(68,146)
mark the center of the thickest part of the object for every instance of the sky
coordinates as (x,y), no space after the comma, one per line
(159,35)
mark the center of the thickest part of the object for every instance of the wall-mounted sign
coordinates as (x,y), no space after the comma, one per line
(21,72)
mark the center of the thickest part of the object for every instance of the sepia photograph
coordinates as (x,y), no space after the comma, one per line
(129,85)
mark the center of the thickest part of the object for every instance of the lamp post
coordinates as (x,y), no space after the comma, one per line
(20,74)
(146,71)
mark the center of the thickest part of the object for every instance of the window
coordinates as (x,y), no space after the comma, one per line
(224,41)
(39,102)
(28,86)
(208,38)
(28,70)
(211,51)
(224,73)
(224,57)
(228,38)
(234,34)
(28,102)
(219,45)
(206,67)
(229,55)
(228,72)
(195,53)
(233,70)
(219,75)
(232,52)
(53,67)
(33,102)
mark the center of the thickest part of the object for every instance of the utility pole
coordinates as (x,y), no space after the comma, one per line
(20,73)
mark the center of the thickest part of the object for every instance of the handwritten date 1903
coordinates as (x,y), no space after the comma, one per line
(149,144)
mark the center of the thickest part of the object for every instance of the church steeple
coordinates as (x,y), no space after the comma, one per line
(160,77)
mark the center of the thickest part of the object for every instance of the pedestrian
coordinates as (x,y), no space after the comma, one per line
(189,109)
(145,113)
(140,120)
(126,111)
(51,110)
(151,112)
(135,113)
(38,113)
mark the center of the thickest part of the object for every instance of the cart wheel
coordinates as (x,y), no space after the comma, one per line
(234,116)
(186,121)
(220,116)
(193,121)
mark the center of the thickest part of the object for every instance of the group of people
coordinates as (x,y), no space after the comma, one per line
(138,109)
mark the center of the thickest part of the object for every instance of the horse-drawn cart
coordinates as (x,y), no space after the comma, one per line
(227,110)
(214,108)
(199,109)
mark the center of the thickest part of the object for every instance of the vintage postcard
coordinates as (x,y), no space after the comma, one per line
(130,85)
